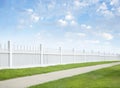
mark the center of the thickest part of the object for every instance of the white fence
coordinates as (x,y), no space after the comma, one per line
(13,56)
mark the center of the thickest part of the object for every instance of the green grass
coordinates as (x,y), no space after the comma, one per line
(103,78)
(14,73)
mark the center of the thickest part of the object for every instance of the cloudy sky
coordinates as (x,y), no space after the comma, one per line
(80,24)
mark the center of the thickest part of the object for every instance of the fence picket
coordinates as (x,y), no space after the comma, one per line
(29,56)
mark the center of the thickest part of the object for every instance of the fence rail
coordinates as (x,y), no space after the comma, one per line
(14,56)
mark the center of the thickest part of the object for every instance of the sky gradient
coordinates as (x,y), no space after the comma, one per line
(80,24)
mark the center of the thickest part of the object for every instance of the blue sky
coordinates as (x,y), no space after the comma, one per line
(80,24)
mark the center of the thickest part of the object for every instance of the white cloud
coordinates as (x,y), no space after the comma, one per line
(68,20)
(114,2)
(28,19)
(108,13)
(35,17)
(73,23)
(62,22)
(80,40)
(67,41)
(80,4)
(94,1)
(69,16)
(29,10)
(103,9)
(107,36)
(77,3)
(103,6)
(84,26)
(51,5)
(118,11)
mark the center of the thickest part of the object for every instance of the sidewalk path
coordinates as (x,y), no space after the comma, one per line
(24,82)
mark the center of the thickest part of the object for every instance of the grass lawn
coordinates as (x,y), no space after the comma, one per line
(13,73)
(103,78)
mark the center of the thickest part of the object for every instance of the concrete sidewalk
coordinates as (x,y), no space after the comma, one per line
(24,82)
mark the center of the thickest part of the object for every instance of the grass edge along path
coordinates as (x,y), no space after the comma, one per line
(14,73)
(102,78)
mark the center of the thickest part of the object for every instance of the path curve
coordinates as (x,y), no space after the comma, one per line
(25,82)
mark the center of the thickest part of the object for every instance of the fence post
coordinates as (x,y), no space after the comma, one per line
(104,55)
(60,50)
(10,53)
(84,54)
(93,55)
(73,55)
(41,55)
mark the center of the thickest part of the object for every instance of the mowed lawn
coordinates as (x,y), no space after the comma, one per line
(14,73)
(103,78)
